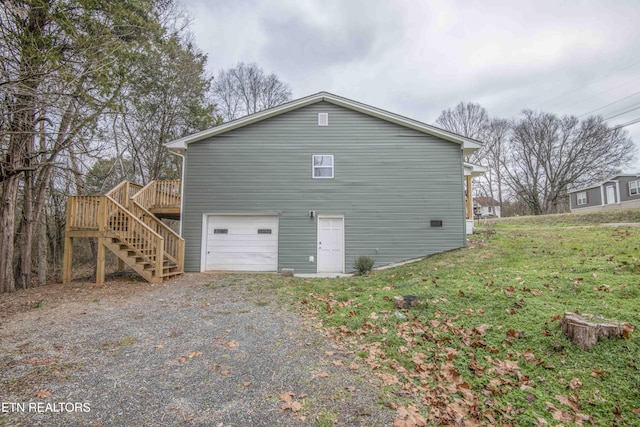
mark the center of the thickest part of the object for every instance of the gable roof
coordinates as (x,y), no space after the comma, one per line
(469,145)
(483,200)
(600,184)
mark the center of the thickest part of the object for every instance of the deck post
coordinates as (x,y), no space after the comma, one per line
(102,222)
(68,258)
(101,261)
(181,255)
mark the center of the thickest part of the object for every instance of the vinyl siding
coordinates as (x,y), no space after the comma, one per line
(389,182)
(624,189)
(594,198)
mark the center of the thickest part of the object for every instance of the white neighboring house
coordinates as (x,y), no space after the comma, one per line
(486,207)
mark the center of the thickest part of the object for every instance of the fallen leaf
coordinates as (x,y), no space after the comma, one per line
(323,374)
(530,357)
(287,396)
(338,362)
(232,344)
(596,373)
(389,379)
(514,334)
(43,394)
(194,354)
(575,383)
(354,366)
(289,403)
(482,329)
(351,388)
(329,353)
(567,401)
(409,417)
(224,372)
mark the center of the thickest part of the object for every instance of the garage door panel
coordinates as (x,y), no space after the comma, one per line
(239,246)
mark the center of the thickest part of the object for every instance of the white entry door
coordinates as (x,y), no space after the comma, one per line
(330,244)
(242,243)
(611,194)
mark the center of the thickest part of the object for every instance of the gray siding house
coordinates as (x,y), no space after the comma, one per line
(315,183)
(618,192)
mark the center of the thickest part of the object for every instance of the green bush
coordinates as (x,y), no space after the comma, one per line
(363,265)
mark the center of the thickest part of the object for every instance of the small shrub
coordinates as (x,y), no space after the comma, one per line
(363,265)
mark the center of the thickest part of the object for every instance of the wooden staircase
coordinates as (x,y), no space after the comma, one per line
(126,221)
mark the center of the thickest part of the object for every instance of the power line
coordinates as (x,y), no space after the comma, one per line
(564,94)
(634,121)
(610,104)
(623,113)
(601,92)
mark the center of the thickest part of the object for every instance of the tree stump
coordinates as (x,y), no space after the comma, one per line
(586,330)
(406,301)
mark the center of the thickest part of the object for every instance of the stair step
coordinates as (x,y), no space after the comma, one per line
(138,250)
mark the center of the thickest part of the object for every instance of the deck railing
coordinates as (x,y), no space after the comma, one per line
(159,194)
(83,212)
(122,192)
(121,215)
(108,218)
(173,243)
(129,229)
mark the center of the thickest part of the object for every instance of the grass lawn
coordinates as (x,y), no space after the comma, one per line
(485,346)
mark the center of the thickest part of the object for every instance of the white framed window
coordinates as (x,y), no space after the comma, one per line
(323,119)
(634,187)
(322,165)
(581,198)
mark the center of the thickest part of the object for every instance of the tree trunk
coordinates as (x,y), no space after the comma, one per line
(7,230)
(42,250)
(26,235)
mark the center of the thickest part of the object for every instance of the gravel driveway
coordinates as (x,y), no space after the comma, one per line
(202,350)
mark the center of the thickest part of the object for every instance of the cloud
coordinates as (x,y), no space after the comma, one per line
(418,57)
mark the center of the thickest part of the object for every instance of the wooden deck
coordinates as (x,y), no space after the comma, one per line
(123,222)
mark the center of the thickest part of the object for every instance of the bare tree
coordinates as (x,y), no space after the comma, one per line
(466,119)
(492,152)
(246,89)
(547,154)
(62,65)
(472,121)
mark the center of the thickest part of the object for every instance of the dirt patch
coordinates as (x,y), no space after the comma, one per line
(203,349)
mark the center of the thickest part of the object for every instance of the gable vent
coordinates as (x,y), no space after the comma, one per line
(323,119)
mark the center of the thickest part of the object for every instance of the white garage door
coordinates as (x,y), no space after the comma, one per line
(242,243)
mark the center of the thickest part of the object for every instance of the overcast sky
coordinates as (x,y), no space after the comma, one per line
(417,58)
